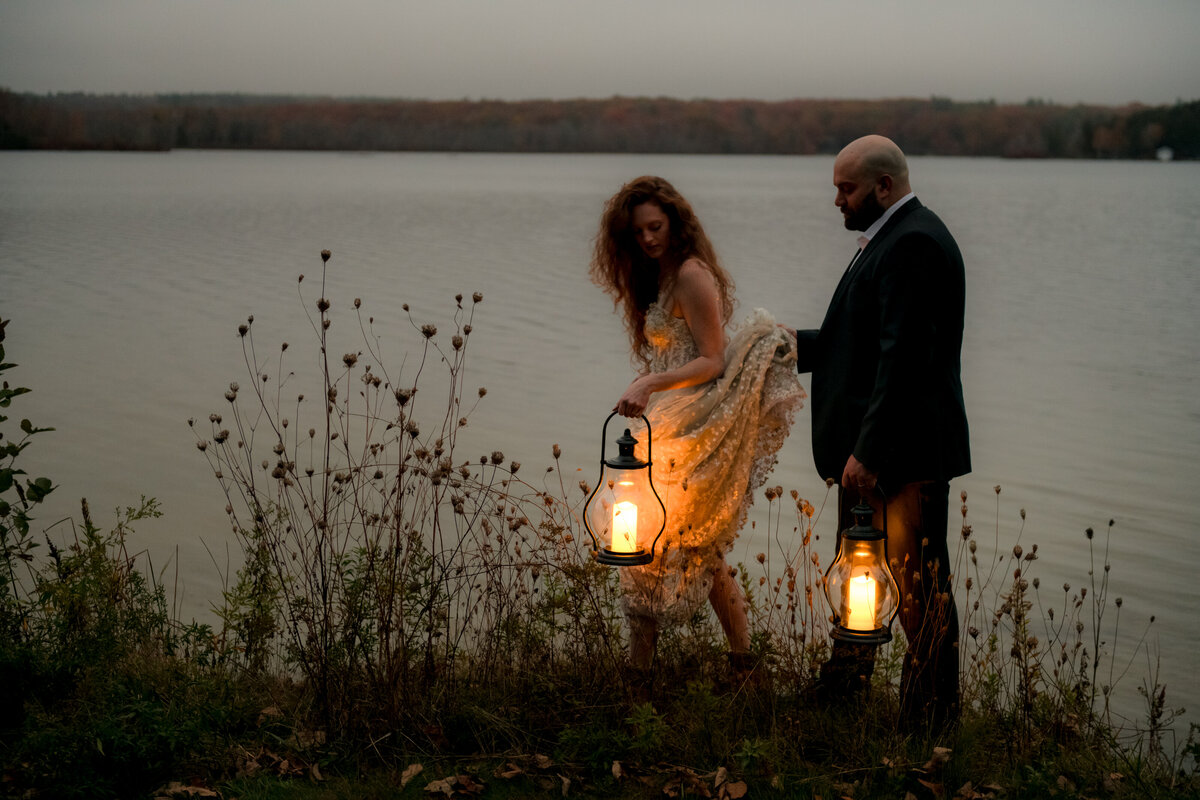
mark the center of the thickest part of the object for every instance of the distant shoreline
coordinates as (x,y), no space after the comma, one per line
(933,126)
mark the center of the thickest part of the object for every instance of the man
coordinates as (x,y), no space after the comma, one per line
(888,413)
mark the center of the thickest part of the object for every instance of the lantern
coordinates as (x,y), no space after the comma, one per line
(859,584)
(624,515)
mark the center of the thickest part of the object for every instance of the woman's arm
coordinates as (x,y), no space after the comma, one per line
(696,295)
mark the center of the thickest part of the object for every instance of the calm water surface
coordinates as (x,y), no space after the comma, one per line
(126,275)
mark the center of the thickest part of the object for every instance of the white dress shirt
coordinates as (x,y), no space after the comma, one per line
(866,236)
(870,232)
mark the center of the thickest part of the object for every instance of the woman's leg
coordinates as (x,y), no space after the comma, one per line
(729,601)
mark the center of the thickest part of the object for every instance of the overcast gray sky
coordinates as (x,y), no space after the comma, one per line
(1067,51)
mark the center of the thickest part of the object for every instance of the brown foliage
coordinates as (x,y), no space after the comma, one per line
(934,126)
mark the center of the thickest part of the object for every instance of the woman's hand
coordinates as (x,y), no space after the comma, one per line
(633,402)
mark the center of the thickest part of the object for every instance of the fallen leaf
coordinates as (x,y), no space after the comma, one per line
(315,771)
(734,790)
(937,788)
(248,767)
(543,762)
(692,784)
(616,770)
(967,792)
(566,784)
(444,786)
(465,783)
(268,713)
(455,784)
(940,756)
(722,777)
(508,771)
(410,772)
(176,789)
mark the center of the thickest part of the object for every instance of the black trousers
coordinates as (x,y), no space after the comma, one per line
(917,517)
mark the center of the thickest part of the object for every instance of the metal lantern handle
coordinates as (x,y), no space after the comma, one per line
(863,504)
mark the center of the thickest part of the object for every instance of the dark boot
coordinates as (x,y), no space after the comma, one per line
(742,668)
(846,677)
(641,684)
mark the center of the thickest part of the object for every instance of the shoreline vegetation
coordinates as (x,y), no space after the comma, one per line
(933,126)
(412,621)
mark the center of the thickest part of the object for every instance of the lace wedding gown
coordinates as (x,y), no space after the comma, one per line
(714,445)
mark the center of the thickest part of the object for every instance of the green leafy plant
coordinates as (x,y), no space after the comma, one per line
(19,496)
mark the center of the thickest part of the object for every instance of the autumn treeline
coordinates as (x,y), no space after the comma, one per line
(934,126)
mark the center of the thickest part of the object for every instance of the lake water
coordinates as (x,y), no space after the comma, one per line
(126,275)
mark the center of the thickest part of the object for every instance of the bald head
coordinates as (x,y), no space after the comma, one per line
(872,157)
(870,174)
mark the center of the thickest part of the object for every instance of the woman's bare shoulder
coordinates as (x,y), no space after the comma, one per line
(692,286)
(695,276)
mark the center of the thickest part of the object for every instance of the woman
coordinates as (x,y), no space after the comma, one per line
(719,408)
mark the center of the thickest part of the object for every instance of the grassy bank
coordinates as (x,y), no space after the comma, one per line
(411,620)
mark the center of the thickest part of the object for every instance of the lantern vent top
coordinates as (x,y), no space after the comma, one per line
(625,459)
(863,529)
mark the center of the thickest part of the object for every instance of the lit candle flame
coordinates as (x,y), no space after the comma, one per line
(860,606)
(624,538)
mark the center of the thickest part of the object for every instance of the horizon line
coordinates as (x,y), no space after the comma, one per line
(581,98)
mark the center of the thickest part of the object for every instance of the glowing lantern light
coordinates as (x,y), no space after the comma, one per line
(859,584)
(624,511)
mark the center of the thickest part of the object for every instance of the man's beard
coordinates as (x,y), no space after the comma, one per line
(865,215)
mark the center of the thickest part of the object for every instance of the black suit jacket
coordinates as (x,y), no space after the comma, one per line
(885,363)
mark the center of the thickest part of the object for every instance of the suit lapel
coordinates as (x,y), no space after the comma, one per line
(839,293)
(861,258)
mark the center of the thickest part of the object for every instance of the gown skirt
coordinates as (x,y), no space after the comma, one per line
(714,445)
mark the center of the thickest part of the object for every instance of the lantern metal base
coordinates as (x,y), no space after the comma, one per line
(606,556)
(876,637)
